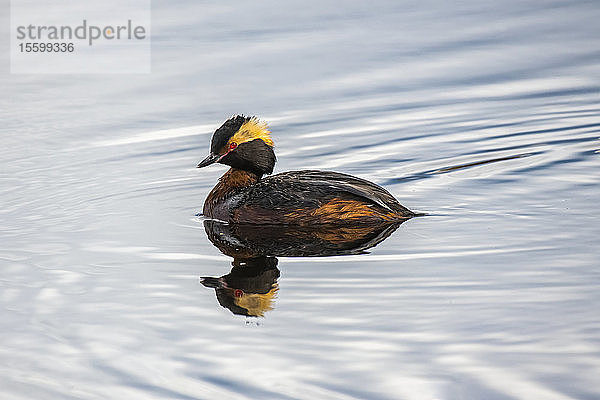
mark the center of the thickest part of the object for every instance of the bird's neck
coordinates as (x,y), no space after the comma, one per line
(237,178)
(229,184)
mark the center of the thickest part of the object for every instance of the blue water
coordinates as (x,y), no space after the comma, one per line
(484,115)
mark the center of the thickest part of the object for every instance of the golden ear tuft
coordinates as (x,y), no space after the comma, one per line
(251,130)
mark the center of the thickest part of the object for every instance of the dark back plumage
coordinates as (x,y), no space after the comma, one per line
(311,188)
(316,197)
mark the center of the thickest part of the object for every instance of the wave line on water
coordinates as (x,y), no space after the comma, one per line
(157,135)
(476,163)
(453,168)
(415,256)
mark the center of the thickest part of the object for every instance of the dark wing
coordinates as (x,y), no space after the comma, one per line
(345,183)
(309,189)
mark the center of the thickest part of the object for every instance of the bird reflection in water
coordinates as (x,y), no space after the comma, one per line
(251,286)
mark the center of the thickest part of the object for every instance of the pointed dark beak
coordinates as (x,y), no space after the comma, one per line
(210,282)
(211,159)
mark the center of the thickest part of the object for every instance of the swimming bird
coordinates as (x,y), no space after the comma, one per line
(244,195)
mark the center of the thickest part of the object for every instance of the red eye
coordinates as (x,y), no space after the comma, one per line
(232,145)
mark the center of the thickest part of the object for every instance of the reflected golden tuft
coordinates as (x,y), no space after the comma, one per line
(257,304)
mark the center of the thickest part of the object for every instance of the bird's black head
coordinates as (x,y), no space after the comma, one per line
(244,143)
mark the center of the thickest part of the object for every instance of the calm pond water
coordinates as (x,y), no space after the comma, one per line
(484,115)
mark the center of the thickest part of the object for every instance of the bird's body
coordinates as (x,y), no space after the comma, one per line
(303,198)
(300,198)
